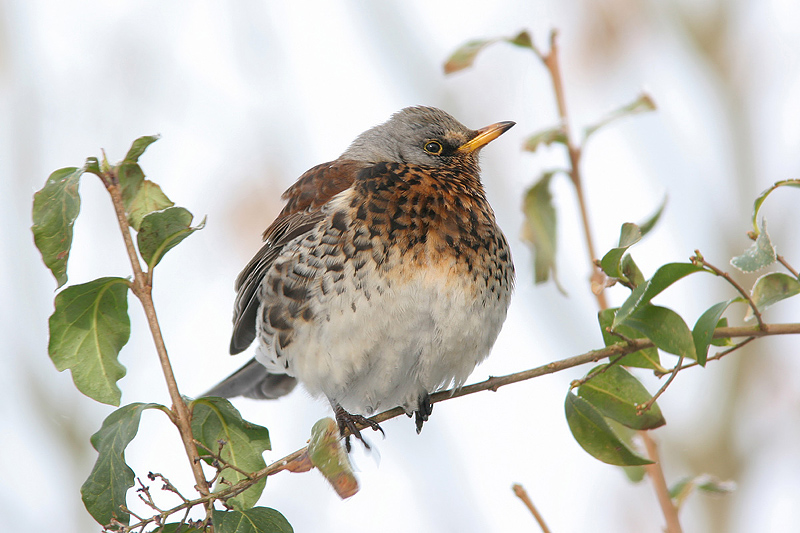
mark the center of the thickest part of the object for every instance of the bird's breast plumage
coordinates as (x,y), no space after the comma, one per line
(399,289)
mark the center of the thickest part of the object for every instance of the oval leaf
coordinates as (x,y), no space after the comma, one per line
(139,146)
(255,520)
(703,331)
(55,209)
(642,104)
(540,228)
(595,436)
(216,422)
(663,278)
(665,328)
(629,235)
(465,55)
(647,358)
(88,328)
(327,454)
(163,230)
(763,196)
(104,491)
(761,254)
(546,138)
(771,289)
(615,392)
(149,198)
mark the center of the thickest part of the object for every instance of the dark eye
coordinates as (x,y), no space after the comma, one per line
(433,147)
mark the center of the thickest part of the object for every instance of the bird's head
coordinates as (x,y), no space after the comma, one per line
(423,136)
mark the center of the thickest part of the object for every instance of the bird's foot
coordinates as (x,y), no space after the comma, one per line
(424,410)
(350,422)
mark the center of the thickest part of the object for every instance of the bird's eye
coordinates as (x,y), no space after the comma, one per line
(433,147)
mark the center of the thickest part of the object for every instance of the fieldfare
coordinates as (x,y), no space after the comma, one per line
(384,279)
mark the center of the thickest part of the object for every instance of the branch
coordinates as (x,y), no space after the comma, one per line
(656,474)
(142,288)
(550,60)
(297,460)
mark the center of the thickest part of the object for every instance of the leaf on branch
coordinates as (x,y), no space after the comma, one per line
(215,420)
(681,490)
(161,231)
(770,289)
(177,527)
(327,454)
(539,229)
(148,199)
(761,254)
(88,328)
(465,55)
(663,278)
(629,235)
(763,196)
(615,263)
(665,328)
(546,138)
(139,146)
(703,331)
(615,392)
(594,435)
(55,208)
(103,493)
(646,358)
(255,520)
(644,103)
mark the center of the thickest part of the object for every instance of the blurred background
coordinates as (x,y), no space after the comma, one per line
(249,95)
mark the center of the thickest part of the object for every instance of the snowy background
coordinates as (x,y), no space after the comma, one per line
(248,95)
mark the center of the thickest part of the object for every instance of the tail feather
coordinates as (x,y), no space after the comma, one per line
(253,381)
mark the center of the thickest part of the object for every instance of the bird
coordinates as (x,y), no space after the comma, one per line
(384,279)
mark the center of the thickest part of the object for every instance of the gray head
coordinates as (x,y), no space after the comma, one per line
(423,136)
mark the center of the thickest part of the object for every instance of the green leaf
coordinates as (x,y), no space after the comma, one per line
(539,229)
(163,230)
(642,104)
(770,289)
(177,527)
(131,178)
(629,235)
(522,39)
(703,331)
(88,328)
(615,392)
(651,222)
(646,358)
(665,328)
(465,55)
(759,255)
(103,493)
(139,146)
(327,454)
(595,436)
(663,278)
(763,196)
(55,209)
(681,490)
(255,520)
(215,421)
(148,199)
(723,323)
(634,473)
(631,271)
(546,138)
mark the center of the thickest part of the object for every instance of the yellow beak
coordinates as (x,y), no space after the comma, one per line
(485,136)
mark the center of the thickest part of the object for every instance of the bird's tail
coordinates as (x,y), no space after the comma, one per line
(254,381)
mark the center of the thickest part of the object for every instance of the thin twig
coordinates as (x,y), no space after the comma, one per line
(641,409)
(291,461)
(660,484)
(787,266)
(522,494)
(551,62)
(715,357)
(699,259)
(143,291)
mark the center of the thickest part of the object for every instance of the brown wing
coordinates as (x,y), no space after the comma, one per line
(302,212)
